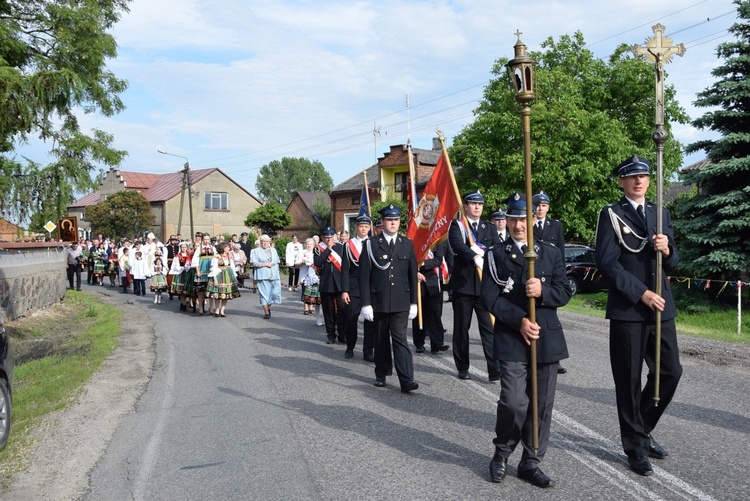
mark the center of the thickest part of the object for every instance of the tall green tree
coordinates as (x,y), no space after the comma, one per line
(278,180)
(53,56)
(122,214)
(714,225)
(589,115)
(269,217)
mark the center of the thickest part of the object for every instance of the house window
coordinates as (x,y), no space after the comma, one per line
(400,180)
(355,200)
(217,201)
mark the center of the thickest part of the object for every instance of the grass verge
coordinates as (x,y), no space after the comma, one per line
(50,375)
(711,323)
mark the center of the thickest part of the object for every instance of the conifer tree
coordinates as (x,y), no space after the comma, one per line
(714,225)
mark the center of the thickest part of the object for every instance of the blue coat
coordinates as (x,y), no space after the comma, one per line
(257,256)
(631,273)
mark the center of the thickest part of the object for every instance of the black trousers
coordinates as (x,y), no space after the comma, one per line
(391,328)
(350,327)
(463,307)
(432,321)
(74,271)
(630,343)
(89,271)
(293,277)
(334,314)
(514,417)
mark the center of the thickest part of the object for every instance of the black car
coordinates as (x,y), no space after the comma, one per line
(581,270)
(6,386)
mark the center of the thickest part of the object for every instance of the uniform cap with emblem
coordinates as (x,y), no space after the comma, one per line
(540,198)
(363,219)
(379,223)
(633,166)
(516,205)
(498,215)
(390,212)
(328,232)
(243,234)
(474,196)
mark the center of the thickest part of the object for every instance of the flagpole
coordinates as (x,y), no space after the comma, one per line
(367,193)
(413,196)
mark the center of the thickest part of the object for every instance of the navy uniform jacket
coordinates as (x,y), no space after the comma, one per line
(330,276)
(508,302)
(433,281)
(464,276)
(394,289)
(350,271)
(552,232)
(631,273)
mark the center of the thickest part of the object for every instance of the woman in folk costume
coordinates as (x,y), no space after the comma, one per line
(159,278)
(149,249)
(184,275)
(265,261)
(222,284)
(113,267)
(204,253)
(309,279)
(100,263)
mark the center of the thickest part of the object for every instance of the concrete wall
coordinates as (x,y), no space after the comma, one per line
(30,280)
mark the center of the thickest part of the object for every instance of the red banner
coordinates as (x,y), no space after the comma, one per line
(435,210)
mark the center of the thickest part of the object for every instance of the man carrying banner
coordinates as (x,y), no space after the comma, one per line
(328,260)
(351,292)
(431,276)
(466,284)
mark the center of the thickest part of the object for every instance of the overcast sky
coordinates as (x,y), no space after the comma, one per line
(235,84)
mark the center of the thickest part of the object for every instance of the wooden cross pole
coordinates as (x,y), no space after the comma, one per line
(658,50)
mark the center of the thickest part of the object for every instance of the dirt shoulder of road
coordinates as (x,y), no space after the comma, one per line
(68,443)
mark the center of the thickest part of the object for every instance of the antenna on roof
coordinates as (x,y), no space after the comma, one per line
(408,118)
(376,135)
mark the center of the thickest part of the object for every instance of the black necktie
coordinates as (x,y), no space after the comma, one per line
(539,224)
(524,247)
(390,245)
(641,214)
(474,225)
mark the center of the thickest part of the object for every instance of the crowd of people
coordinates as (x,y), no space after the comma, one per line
(372,277)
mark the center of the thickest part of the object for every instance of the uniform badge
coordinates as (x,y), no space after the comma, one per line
(508,285)
(385,256)
(513,256)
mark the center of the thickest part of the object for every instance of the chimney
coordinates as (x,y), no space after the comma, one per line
(436,146)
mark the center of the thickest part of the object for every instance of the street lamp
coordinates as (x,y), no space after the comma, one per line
(521,69)
(186,183)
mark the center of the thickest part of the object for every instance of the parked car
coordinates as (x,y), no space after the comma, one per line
(6,386)
(581,270)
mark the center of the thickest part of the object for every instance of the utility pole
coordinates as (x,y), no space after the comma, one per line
(186,181)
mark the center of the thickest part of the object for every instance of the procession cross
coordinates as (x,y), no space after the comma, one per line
(658,50)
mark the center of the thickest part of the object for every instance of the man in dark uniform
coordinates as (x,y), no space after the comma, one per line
(351,293)
(466,285)
(498,219)
(388,288)
(329,262)
(626,247)
(506,290)
(549,230)
(431,275)
(246,246)
(173,248)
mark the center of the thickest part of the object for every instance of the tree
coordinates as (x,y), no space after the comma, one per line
(396,200)
(270,218)
(321,212)
(279,180)
(122,214)
(714,225)
(589,115)
(52,66)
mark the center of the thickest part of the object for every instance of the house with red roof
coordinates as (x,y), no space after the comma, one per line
(219,204)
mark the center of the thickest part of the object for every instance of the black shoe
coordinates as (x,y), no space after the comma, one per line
(498,468)
(536,477)
(561,369)
(411,386)
(494,377)
(380,381)
(330,340)
(655,450)
(439,349)
(641,465)
(348,354)
(368,358)
(266,316)
(464,375)
(420,349)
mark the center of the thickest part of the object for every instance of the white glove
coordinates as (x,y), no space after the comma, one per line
(477,250)
(412,312)
(479,262)
(367,313)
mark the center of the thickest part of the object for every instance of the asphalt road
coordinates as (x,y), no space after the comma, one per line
(246,408)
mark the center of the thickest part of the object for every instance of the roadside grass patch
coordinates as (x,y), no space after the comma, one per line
(56,352)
